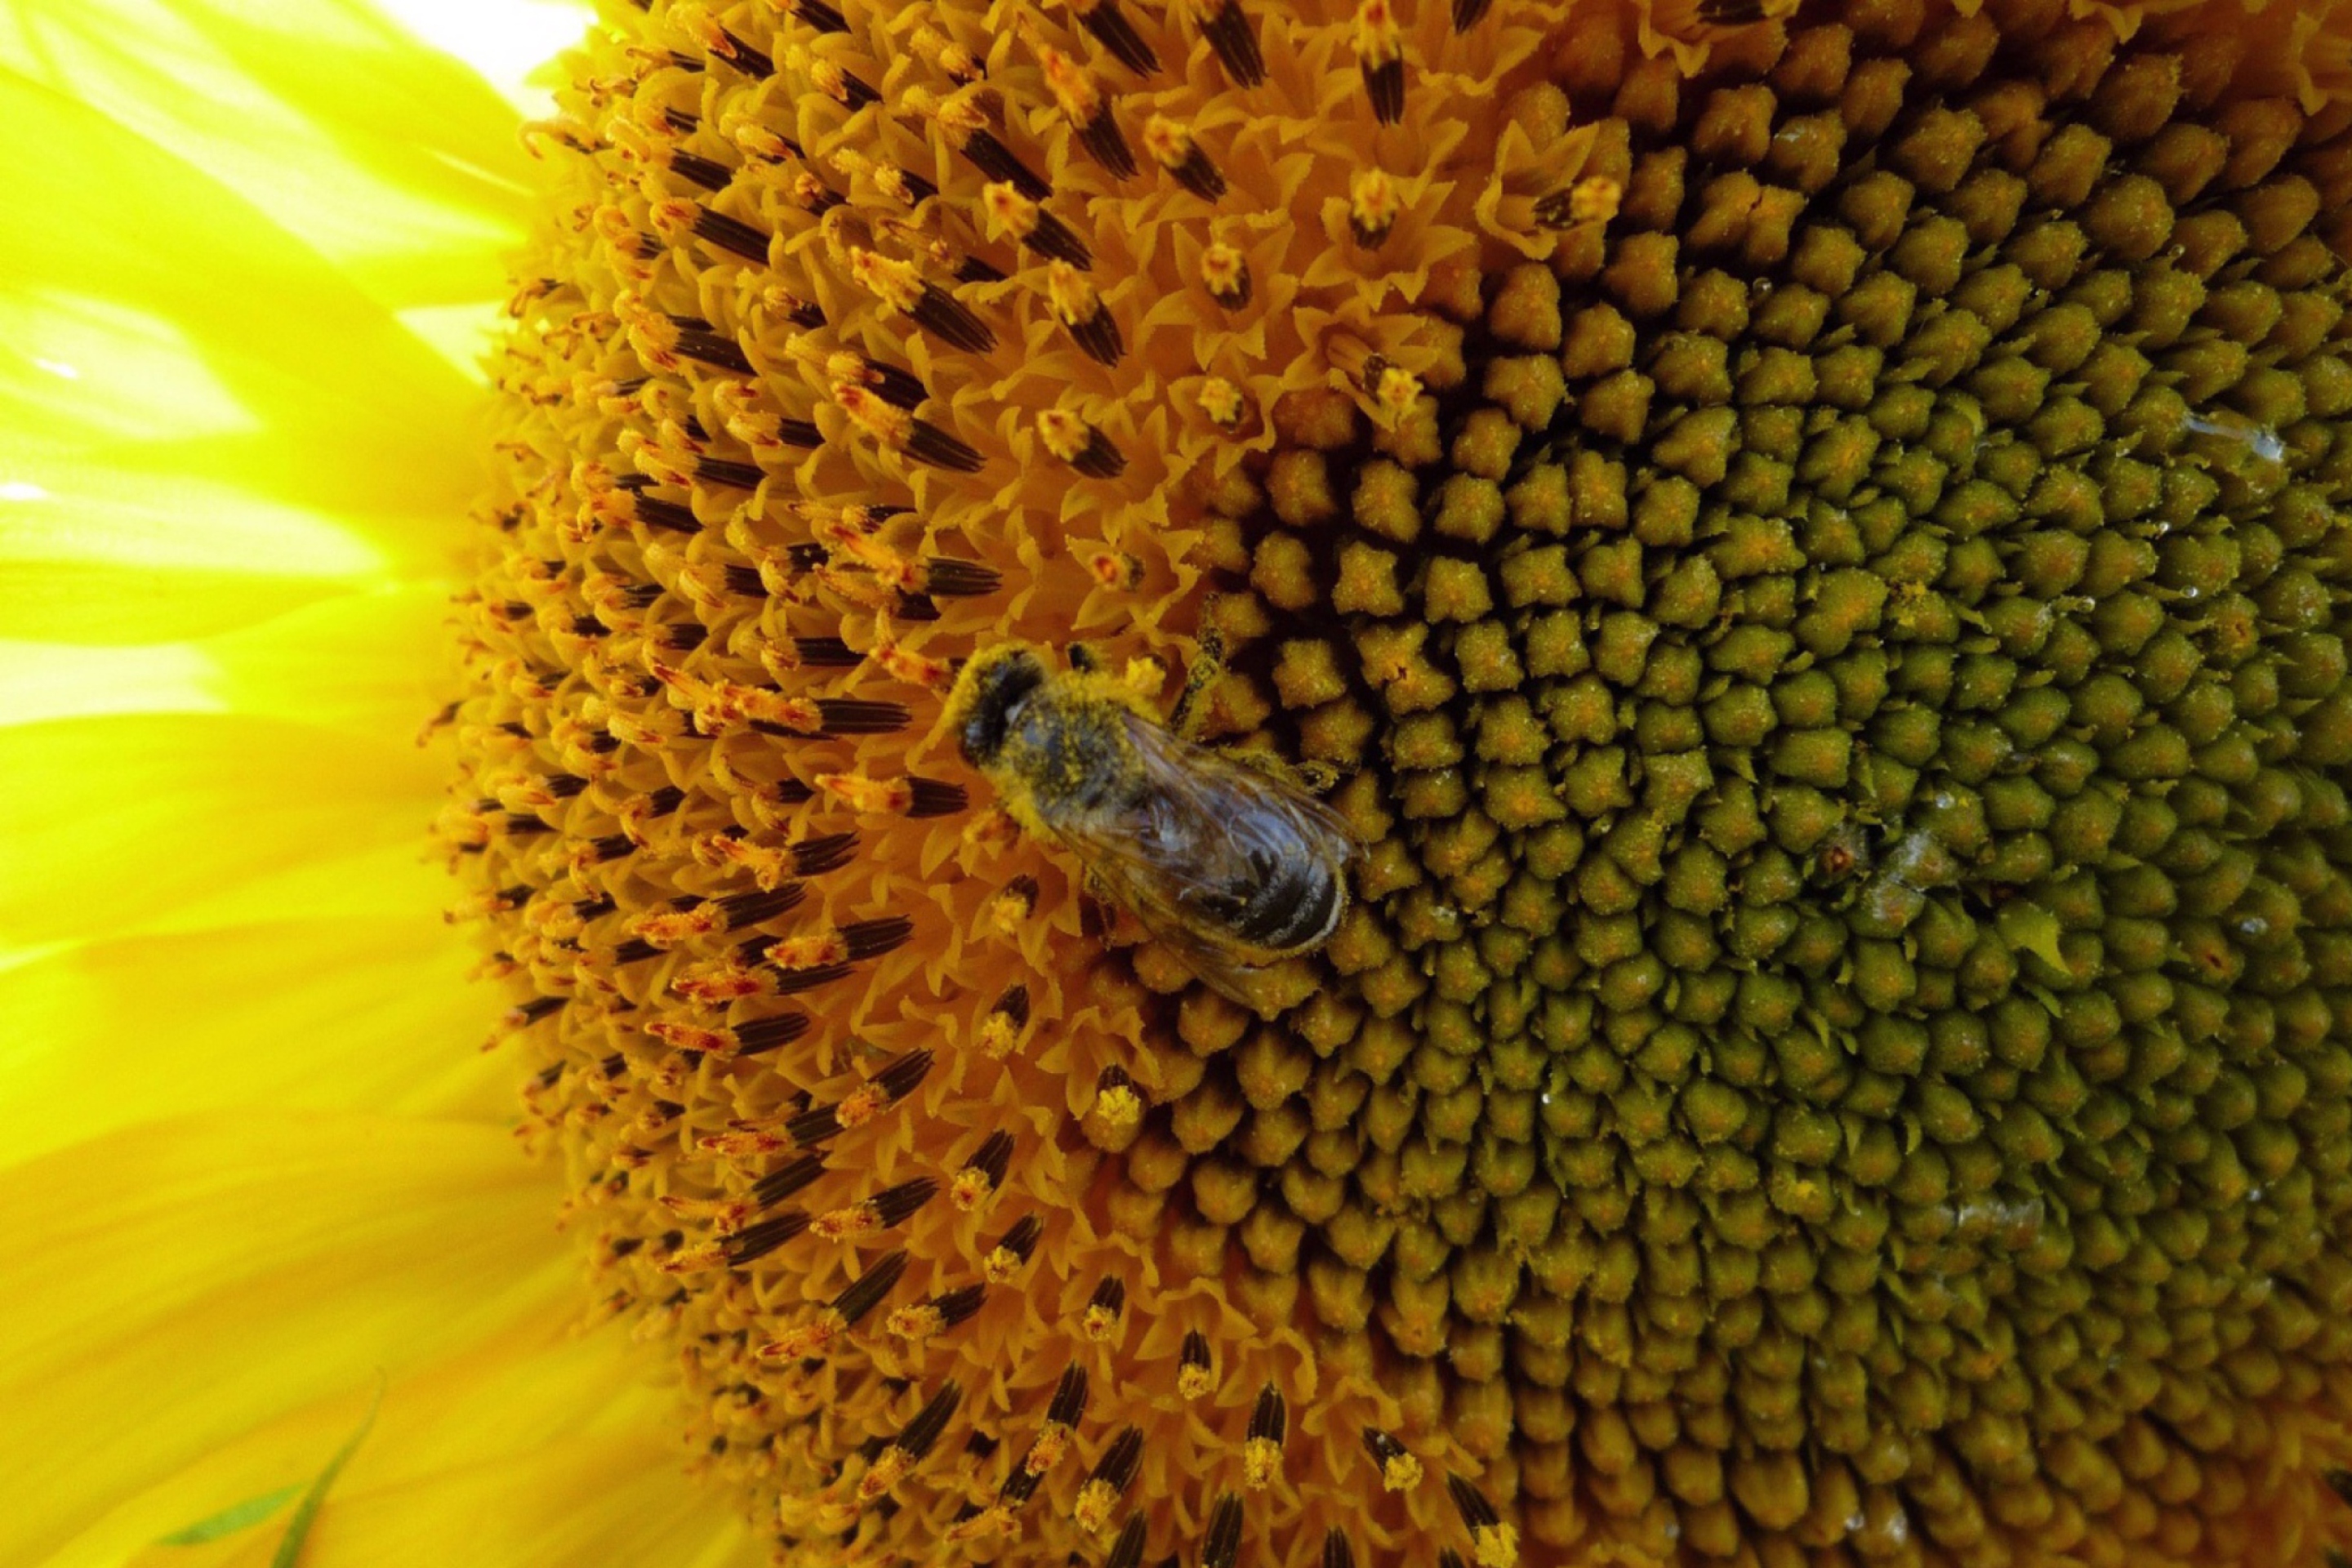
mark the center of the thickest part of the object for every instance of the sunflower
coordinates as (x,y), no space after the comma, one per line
(1803,542)
(253,1171)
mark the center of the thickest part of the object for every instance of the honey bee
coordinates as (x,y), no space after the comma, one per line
(1234,867)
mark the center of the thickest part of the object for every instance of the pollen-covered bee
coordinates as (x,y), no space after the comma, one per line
(1232,867)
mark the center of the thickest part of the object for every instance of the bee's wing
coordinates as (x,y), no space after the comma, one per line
(1205,825)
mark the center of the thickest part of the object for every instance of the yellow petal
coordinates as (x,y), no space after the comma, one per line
(536,1445)
(320,1015)
(318,404)
(395,163)
(186,1281)
(115,822)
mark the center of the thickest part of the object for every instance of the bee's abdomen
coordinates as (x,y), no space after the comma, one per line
(1292,907)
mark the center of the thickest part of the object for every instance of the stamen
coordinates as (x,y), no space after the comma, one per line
(999,1032)
(899,286)
(1126,1552)
(820,16)
(1234,35)
(778,1185)
(1005,1258)
(1111,1476)
(826,653)
(849,1308)
(966,127)
(1104,1311)
(830,79)
(1262,1451)
(1400,1470)
(910,797)
(1079,444)
(1195,1372)
(894,428)
(1221,1547)
(885,1210)
(730,235)
(1054,1439)
(913,1442)
(721,43)
(893,1083)
(1082,103)
(936,1316)
(740,909)
(1380,53)
(1111,29)
(948,578)
(1119,1104)
(983,1172)
(945,55)
(765,1035)
(1493,1543)
(1009,212)
(1373,204)
(793,982)
(1082,311)
(1171,144)
(1225,273)
(755,1242)
(1226,407)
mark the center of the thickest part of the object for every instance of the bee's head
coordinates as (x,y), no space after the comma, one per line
(994,683)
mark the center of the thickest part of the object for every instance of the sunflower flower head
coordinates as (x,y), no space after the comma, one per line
(1808,546)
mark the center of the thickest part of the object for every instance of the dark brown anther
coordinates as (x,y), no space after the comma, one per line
(728,474)
(733,236)
(946,577)
(998,161)
(1234,35)
(1195,1370)
(756,1242)
(1114,32)
(777,1186)
(1171,146)
(1221,1546)
(893,1206)
(927,443)
(865,1293)
(918,1436)
(1119,1462)
(741,910)
(951,321)
(700,170)
(992,1158)
(872,939)
(762,1035)
(1126,1552)
(1102,138)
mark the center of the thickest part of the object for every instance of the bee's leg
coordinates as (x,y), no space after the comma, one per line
(1315,778)
(1083,658)
(1207,667)
(1321,778)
